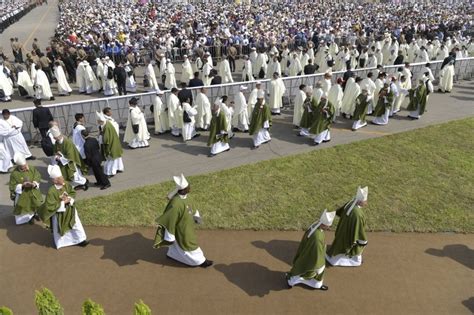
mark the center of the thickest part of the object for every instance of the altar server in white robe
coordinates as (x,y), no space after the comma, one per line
(110,86)
(350,95)
(25,82)
(277,89)
(5,157)
(295,66)
(86,79)
(175,113)
(446,77)
(247,70)
(298,105)
(170,81)
(150,73)
(369,85)
(335,96)
(60,214)
(189,127)
(77,139)
(160,114)
(136,132)
(5,84)
(240,119)
(63,85)
(326,83)
(204,116)
(42,87)
(131,83)
(186,70)
(10,130)
(224,71)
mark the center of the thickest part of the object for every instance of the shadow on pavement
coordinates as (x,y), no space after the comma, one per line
(458,252)
(469,303)
(129,249)
(188,148)
(253,279)
(26,233)
(283,250)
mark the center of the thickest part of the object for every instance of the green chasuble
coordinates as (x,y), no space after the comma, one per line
(310,106)
(361,107)
(218,124)
(111,145)
(260,114)
(322,117)
(69,151)
(30,199)
(67,219)
(418,98)
(310,256)
(381,106)
(177,220)
(350,229)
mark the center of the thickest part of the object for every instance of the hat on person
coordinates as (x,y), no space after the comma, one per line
(243,88)
(55,132)
(54,171)
(181,183)
(261,94)
(362,193)
(133,101)
(327,218)
(100,116)
(258,83)
(19,159)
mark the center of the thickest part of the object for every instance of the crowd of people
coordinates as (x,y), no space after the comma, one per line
(12,11)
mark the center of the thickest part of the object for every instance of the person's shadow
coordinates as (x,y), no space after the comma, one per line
(469,303)
(283,250)
(127,250)
(458,252)
(26,234)
(252,278)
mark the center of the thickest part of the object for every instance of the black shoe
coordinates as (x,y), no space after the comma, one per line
(83,243)
(110,176)
(105,187)
(52,98)
(255,147)
(118,171)
(235,129)
(196,135)
(323,288)
(32,221)
(206,263)
(31,158)
(97,185)
(326,140)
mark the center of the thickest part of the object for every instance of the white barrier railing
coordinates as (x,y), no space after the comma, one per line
(64,112)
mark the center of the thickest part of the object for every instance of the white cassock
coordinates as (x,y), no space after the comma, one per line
(131,83)
(86,79)
(317,94)
(224,70)
(12,137)
(175,115)
(78,140)
(252,101)
(295,67)
(33,71)
(228,112)
(335,97)
(25,82)
(189,128)
(277,89)
(23,218)
(247,71)
(63,85)
(446,78)
(5,84)
(408,75)
(326,85)
(203,106)
(43,89)
(170,81)
(150,73)
(350,95)
(370,86)
(402,89)
(75,235)
(260,64)
(273,66)
(298,107)
(160,115)
(240,119)
(206,71)
(5,157)
(110,87)
(99,73)
(186,71)
(140,139)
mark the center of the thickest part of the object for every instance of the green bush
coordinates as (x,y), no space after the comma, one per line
(91,308)
(142,309)
(47,303)
(5,311)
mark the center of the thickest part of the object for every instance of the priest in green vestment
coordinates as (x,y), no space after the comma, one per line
(218,136)
(350,238)
(384,104)
(59,212)
(69,160)
(24,190)
(310,106)
(362,104)
(322,120)
(176,227)
(418,97)
(309,262)
(111,147)
(260,122)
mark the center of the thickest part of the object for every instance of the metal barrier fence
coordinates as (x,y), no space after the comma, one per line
(64,112)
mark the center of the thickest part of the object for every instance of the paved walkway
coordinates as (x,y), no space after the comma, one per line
(401,274)
(169,156)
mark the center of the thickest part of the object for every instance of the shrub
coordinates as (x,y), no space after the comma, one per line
(47,303)
(142,309)
(91,308)
(5,311)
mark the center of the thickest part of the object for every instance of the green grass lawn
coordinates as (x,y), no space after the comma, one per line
(421,181)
